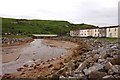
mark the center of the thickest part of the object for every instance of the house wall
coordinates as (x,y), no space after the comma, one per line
(98,32)
(95,32)
(90,32)
(102,32)
(74,33)
(83,33)
(71,33)
(112,32)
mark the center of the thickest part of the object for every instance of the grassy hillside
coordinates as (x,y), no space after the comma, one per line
(26,27)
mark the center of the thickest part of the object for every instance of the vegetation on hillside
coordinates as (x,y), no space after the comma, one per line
(27,27)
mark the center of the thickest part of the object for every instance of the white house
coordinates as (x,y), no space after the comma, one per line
(85,32)
(112,31)
(97,32)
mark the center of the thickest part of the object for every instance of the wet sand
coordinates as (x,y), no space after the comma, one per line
(9,57)
(11,53)
(63,44)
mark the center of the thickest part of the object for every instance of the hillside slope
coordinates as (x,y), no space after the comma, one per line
(25,27)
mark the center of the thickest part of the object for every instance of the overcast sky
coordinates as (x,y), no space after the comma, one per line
(97,12)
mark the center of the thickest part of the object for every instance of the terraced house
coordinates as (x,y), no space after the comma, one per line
(111,31)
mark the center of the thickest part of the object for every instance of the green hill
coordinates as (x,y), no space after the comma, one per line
(27,27)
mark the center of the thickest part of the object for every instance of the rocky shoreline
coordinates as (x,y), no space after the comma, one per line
(101,63)
(15,41)
(93,59)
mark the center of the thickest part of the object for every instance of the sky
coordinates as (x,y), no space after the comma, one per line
(96,12)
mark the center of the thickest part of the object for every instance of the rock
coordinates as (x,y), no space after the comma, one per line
(116,69)
(22,73)
(71,65)
(29,69)
(110,71)
(103,55)
(96,75)
(110,77)
(108,66)
(20,69)
(50,65)
(38,61)
(62,70)
(102,61)
(25,65)
(88,56)
(117,76)
(57,67)
(114,47)
(80,76)
(81,66)
(61,77)
(55,77)
(90,59)
(96,56)
(6,77)
(95,67)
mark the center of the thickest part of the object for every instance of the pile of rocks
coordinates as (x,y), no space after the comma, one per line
(103,63)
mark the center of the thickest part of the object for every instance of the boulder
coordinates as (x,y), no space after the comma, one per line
(96,75)
(95,67)
(114,61)
(110,77)
(103,55)
(102,61)
(117,76)
(116,69)
(81,66)
(96,56)
(108,66)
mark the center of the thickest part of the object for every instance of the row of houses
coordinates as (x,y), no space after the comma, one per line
(111,31)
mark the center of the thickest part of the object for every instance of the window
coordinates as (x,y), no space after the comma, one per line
(110,35)
(115,29)
(109,29)
(95,30)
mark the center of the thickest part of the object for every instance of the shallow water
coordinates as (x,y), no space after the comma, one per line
(35,50)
